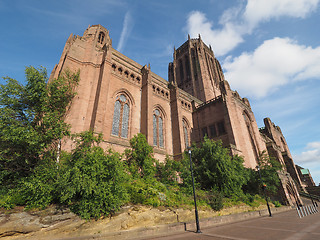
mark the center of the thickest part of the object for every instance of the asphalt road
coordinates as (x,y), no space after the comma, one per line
(282,226)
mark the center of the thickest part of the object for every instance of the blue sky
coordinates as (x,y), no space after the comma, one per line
(269,49)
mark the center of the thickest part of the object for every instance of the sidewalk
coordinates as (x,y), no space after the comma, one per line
(284,226)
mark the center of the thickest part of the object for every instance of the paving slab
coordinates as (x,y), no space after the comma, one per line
(284,226)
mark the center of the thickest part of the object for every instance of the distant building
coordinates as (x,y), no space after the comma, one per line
(305,176)
(120,98)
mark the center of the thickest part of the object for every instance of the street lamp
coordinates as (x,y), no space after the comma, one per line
(264,190)
(194,194)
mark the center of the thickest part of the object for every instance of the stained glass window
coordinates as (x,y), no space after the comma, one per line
(160,132)
(120,124)
(125,121)
(158,139)
(155,131)
(123,98)
(186,137)
(116,118)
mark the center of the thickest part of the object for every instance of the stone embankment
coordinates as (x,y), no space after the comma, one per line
(130,222)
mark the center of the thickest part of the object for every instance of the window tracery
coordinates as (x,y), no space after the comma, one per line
(185,133)
(158,139)
(120,123)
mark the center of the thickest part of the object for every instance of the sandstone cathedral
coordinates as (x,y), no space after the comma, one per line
(120,98)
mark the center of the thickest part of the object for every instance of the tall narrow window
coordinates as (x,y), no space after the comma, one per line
(187,63)
(101,37)
(120,124)
(204,132)
(181,70)
(160,132)
(158,139)
(155,131)
(194,64)
(221,128)
(213,131)
(185,133)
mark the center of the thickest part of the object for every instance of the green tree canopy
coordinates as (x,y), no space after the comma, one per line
(269,168)
(94,181)
(32,119)
(140,158)
(214,168)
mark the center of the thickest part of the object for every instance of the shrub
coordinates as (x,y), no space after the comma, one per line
(24,141)
(40,189)
(214,167)
(215,200)
(168,171)
(277,204)
(93,184)
(139,158)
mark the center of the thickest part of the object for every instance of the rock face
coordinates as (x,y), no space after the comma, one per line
(21,223)
(55,223)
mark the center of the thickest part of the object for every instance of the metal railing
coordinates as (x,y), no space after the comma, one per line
(306,210)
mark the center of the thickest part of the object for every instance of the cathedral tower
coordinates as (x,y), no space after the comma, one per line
(196,70)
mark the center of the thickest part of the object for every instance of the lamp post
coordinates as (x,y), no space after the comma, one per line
(264,191)
(194,194)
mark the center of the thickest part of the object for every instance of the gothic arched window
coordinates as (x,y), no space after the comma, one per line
(181,71)
(185,133)
(188,71)
(158,139)
(120,124)
(101,37)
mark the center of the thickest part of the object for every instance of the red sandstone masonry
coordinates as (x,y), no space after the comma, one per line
(196,93)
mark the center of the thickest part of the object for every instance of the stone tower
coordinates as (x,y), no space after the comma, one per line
(196,70)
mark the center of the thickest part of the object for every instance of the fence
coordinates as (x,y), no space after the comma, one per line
(306,210)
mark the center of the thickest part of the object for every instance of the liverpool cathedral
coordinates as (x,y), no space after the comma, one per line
(118,97)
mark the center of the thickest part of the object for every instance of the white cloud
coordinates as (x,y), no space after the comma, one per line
(239,21)
(311,155)
(313,145)
(126,30)
(263,10)
(222,40)
(310,158)
(274,63)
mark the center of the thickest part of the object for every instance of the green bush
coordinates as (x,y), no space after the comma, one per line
(168,171)
(268,175)
(40,189)
(214,167)
(93,183)
(277,204)
(139,158)
(24,141)
(6,201)
(215,200)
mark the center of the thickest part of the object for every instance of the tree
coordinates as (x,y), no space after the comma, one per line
(214,168)
(168,171)
(268,168)
(94,181)
(32,120)
(140,157)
